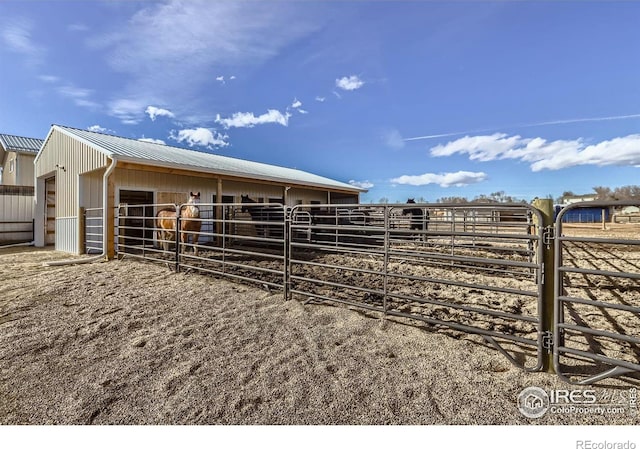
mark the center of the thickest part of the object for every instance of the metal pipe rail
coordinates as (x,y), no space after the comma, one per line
(405,272)
(94,231)
(230,242)
(597,301)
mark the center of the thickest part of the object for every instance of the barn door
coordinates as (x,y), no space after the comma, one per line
(50,211)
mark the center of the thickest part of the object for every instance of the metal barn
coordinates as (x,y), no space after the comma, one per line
(78,170)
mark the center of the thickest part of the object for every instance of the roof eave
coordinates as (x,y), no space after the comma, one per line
(213,171)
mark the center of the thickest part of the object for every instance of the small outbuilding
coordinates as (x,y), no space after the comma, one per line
(76,170)
(16,159)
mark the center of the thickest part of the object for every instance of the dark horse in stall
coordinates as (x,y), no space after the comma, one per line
(419,217)
(269,218)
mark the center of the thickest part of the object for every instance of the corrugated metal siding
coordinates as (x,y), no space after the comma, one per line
(254,190)
(91,189)
(67,234)
(76,158)
(304,196)
(15,208)
(24,175)
(8,176)
(127,179)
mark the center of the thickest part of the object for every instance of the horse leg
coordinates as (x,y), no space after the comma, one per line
(194,238)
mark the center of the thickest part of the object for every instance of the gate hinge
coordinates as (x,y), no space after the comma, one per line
(547,340)
(548,235)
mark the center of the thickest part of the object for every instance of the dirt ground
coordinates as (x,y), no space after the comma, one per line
(128,342)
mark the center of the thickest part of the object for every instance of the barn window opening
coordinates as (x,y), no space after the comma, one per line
(139,220)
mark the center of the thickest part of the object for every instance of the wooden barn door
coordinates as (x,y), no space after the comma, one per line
(50,212)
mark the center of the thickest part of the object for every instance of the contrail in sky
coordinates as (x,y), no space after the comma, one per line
(527,125)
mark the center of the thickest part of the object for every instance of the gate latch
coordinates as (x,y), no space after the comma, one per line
(547,340)
(548,235)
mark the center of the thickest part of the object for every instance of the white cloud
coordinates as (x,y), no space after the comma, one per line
(320,99)
(128,111)
(361,184)
(78,27)
(154,112)
(97,129)
(166,62)
(352,82)
(49,78)
(543,154)
(249,120)
(79,95)
(457,179)
(393,139)
(232,77)
(297,106)
(150,140)
(17,37)
(220,78)
(200,137)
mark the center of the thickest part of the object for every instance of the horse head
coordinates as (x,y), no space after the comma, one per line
(409,211)
(194,198)
(192,208)
(244,199)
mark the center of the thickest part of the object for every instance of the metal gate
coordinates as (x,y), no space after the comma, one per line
(241,241)
(468,268)
(597,293)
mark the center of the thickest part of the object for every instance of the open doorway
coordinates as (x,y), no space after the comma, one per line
(138,223)
(50,211)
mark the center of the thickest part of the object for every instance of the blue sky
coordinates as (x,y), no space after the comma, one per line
(408,99)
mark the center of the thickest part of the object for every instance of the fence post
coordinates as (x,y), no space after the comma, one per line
(545,206)
(177,237)
(82,223)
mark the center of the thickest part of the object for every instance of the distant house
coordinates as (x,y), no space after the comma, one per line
(580,198)
(16,159)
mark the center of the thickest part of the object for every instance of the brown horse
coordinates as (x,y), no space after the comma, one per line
(189,223)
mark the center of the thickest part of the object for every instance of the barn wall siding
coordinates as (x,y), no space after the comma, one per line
(15,208)
(91,190)
(24,173)
(77,158)
(67,234)
(8,175)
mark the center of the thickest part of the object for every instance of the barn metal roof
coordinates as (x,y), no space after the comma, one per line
(148,153)
(20,144)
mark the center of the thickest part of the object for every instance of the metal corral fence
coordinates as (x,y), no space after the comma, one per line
(93,230)
(473,269)
(240,241)
(483,269)
(597,304)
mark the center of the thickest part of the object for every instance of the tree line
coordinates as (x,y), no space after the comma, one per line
(600,192)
